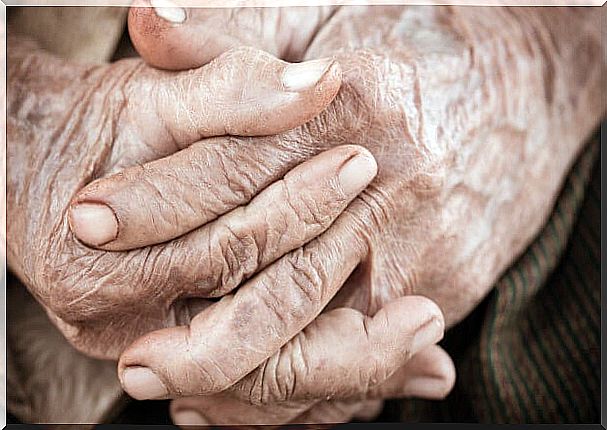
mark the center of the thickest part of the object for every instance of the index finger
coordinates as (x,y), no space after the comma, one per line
(231,338)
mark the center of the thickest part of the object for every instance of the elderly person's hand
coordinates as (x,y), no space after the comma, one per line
(70,124)
(474,115)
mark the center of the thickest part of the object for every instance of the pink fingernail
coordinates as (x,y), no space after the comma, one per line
(169,11)
(357,172)
(303,76)
(142,384)
(428,334)
(426,388)
(93,223)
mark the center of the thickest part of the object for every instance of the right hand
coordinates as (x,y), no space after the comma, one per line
(435,220)
(70,124)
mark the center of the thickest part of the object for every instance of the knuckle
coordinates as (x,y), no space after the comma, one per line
(308,211)
(362,105)
(375,208)
(307,274)
(238,255)
(381,91)
(275,381)
(430,181)
(236,169)
(265,387)
(376,367)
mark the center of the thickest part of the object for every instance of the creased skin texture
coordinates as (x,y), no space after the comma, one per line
(69,124)
(284,32)
(474,115)
(48,118)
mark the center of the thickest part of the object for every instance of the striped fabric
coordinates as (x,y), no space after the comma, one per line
(535,357)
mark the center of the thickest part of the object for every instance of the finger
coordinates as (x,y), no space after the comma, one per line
(344,354)
(143,189)
(335,412)
(235,335)
(225,409)
(221,174)
(243,92)
(283,217)
(429,374)
(170,37)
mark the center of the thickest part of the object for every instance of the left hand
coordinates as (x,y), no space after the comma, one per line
(470,160)
(428,374)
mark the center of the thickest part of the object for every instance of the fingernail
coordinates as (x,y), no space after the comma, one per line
(93,223)
(426,387)
(303,76)
(188,417)
(428,334)
(169,11)
(142,384)
(357,172)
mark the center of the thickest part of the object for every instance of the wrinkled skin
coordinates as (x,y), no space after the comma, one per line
(69,124)
(473,125)
(473,114)
(465,152)
(126,111)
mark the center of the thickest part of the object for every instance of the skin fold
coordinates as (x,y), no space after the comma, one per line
(102,300)
(474,116)
(470,158)
(42,363)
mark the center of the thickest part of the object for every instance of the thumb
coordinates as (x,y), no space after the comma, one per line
(171,37)
(244,92)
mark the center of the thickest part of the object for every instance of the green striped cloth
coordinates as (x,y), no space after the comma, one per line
(535,354)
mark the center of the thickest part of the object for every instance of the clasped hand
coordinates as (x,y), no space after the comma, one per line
(272,241)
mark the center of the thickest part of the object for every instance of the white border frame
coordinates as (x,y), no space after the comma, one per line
(186,3)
